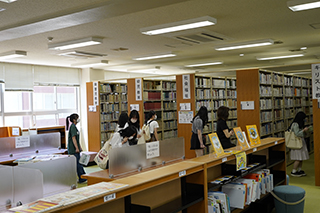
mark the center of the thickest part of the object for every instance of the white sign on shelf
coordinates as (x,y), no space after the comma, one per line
(15,131)
(23,141)
(185,117)
(185,106)
(182,173)
(247,105)
(186,87)
(138,89)
(109,197)
(316,81)
(134,107)
(153,149)
(95,93)
(92,108)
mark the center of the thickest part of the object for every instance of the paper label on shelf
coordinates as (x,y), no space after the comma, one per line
(224,159)
(152,149)
(92,108)
(95,93)
(254,149)
(276,142)
(247,105)
(316,81)
(182,173)
(134,107)
(186,87)
(185,106)
(23,141)
(109,197)
(185,117)
(15,131)
(138,89)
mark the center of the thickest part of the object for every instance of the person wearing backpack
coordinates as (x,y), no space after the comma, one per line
(198,122)
(153,126)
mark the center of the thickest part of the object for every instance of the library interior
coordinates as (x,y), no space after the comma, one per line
(117,106)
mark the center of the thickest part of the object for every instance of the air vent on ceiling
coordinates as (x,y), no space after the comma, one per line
(80,54)
(201,37)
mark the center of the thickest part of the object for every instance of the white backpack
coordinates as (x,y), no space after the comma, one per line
(146,130)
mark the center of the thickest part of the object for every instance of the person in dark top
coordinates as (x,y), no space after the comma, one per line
(198,122)
(223,131)
(134,120)
(74,147)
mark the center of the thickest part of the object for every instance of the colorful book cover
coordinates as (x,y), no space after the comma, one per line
(253,135)
(215,142)
(35,207)
(241,138)
(241,160)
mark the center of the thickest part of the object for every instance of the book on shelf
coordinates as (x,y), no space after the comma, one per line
(215,142)
(219,200)
(253,135)
(237,194)
(241,138)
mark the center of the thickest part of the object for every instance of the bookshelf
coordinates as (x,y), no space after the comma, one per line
(213,92)
(160,96)
(112,102)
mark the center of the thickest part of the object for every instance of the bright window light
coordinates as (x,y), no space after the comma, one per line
(279,57)
(178,26)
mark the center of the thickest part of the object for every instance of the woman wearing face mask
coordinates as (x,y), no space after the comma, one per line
(121,138)
(74,147)
(151,121)
(134,120)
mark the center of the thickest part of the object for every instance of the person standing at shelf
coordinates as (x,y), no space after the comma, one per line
(74,147)
(299,155)
(198,122)
(153,125)
(223,131)
(122,121)
(134,120)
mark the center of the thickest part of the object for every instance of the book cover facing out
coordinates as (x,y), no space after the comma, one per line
(241,138)
(253,135)
(215,142)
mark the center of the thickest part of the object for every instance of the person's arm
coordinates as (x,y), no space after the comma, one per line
(200,138)
(74,140)
(155,132)
(124,140)
(228,133)
(298,132)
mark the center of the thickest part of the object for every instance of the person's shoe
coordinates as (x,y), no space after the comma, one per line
(82,181)
(302,173)
(296,174)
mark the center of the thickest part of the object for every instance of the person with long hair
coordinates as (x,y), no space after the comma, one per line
(223,131)
(74,147)
(134,120)
(153,125)
(198,122)
(122,121)
(299,155)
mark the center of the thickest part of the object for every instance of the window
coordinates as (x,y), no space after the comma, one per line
(17,101)
(67,97)
(44,98)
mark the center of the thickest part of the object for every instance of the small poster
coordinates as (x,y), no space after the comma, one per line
(185,117)
(134,107)
(138,89)
(95,93)
(253,135)
(241,159)
(215,142)
(241,138)
(315,81)
(186,87)
(185,106)
(23,141)
(153,149)
(15,131)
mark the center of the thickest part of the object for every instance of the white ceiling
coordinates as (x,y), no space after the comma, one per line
(27,24)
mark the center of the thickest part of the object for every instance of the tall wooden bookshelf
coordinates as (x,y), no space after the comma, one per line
(213,92)
(159,96)
(103,122)
(277,98)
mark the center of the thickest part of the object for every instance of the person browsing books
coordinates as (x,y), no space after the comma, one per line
(198,122)
(134,120)
(299,155)
(151,121)
(74,147)
(122,121)
(223,131)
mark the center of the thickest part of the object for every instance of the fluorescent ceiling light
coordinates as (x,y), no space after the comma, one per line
(147,70)
(92,64)
(298,5)
(180,25)
(204,64)
(164,55)
(76,43)
(245,45)
(13,54)
(8,1)
(279,57)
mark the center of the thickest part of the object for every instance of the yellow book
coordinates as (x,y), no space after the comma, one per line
(253,135)
(241,139)
(215,142)
(241,159)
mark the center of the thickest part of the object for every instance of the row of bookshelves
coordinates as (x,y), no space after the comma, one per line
(113,88)
(281,79)
(113,97)
(111,107)
(215,104)
(280,92)
(207,82)
(158,96)
(159,85)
